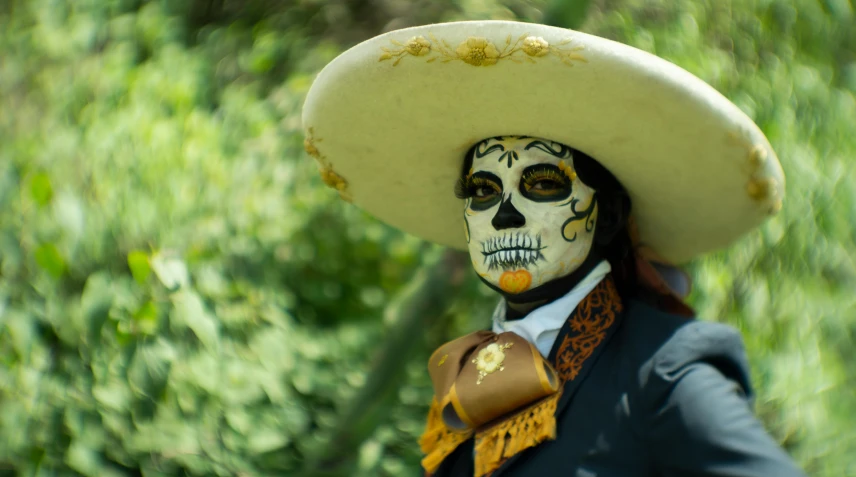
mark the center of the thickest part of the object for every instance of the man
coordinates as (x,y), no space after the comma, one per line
(592,366)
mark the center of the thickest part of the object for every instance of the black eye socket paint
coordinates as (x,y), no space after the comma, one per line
(484,190)
(545,183)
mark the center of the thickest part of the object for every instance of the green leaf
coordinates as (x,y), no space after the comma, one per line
(114,395)
(150,367)
(170,271)
(239,419)
(83,458)
(20,329)
(40,189)
(138,262)
(370,454)
(190,311)
(242,383)
(95,303)
(50,260)
(146,318)
(266,440)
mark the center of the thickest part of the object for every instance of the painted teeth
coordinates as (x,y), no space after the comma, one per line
(512,241)
(508,259)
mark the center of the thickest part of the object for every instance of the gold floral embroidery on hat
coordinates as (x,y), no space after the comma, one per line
(760,187)
(309,145)
(535,46)
(333,180)
(328,175)
(479,51)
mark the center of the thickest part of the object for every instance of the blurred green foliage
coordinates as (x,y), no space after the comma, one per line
(180,295)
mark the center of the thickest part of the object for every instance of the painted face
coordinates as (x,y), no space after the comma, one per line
(529,218)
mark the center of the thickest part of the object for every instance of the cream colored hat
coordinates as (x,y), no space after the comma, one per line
(391,119)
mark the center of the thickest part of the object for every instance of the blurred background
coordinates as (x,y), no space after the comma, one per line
(181,295)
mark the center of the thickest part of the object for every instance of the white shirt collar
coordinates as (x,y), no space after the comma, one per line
(541,326)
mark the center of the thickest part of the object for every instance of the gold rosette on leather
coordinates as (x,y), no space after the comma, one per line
(484,376)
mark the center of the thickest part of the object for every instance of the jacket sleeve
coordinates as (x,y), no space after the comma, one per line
(697,412)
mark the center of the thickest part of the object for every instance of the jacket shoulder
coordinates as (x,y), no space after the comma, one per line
(690,399)
(662,345)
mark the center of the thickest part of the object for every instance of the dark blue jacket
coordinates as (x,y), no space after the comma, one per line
(667,396)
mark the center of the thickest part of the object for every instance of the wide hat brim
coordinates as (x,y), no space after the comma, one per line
(391,119)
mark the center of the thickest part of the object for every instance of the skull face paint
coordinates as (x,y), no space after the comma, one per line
(529,218)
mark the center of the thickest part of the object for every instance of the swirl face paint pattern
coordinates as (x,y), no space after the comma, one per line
(530,219)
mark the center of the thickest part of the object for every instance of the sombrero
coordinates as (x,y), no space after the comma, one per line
(391,119)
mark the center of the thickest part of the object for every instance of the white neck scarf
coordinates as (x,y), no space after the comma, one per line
(541,326)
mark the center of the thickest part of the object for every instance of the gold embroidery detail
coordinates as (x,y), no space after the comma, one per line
(328,175)
(535,46)
(479,51)
(416,46)
(490,358)
(309,145)
(757,156)
(762,189)
(442,360)
(593,318)
(333,180)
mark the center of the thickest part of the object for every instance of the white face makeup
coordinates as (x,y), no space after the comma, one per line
(529,218)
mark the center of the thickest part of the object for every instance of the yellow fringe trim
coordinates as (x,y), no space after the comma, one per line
(515,434)
(439,441)
(494,445)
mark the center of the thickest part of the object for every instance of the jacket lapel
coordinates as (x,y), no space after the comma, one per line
(584,336)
